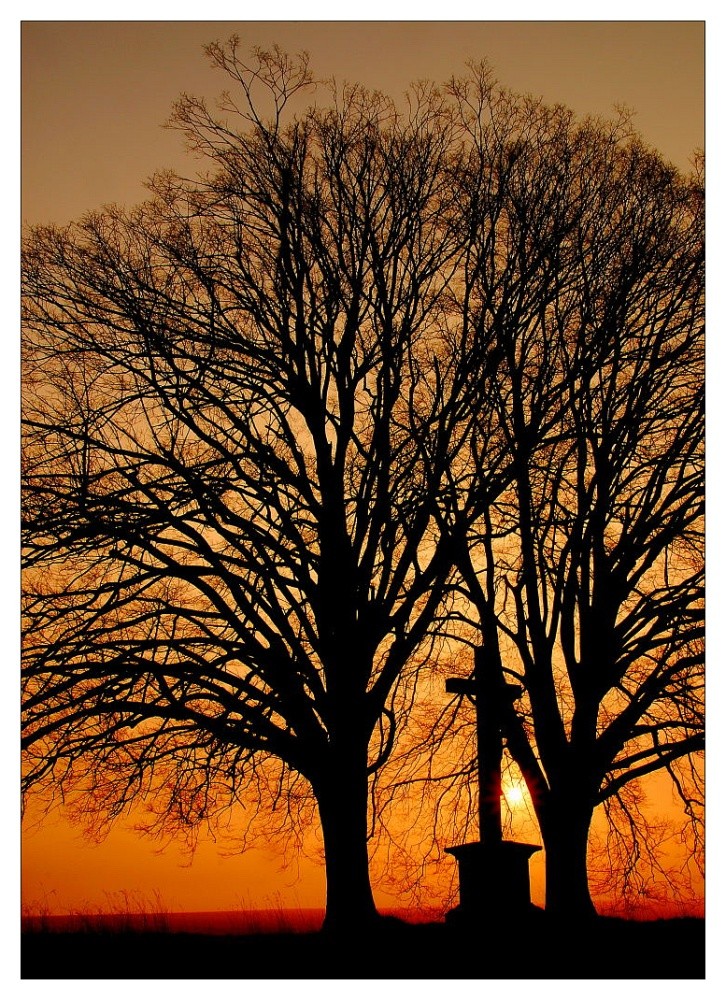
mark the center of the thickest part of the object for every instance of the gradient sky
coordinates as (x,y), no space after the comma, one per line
(94,97)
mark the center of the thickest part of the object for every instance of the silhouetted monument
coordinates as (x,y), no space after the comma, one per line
(493,872)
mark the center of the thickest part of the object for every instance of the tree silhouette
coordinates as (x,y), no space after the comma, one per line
(239,404)
(584,578)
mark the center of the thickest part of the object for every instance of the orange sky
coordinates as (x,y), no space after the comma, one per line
(93,98)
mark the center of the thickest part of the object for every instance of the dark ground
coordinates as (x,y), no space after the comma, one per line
(605,948)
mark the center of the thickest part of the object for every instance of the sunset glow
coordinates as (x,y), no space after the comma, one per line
(514,795)
(237,615)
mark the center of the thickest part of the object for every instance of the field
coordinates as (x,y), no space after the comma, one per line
(606,948)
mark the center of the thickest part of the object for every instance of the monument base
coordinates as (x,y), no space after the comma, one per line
(493,879)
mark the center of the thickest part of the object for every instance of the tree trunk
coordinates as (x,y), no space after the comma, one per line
(565,833)
(342,795)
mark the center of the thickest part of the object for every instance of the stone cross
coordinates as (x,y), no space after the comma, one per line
(490,695)
(493,872)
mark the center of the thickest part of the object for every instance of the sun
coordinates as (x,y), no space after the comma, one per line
(514,795)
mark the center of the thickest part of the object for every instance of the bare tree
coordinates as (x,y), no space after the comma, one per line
(238,410)
(585,575)
(576,513)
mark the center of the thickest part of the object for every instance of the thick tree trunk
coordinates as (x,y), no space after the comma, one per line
(342,795)
(565,833)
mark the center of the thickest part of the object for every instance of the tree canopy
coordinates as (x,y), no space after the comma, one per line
(583,579)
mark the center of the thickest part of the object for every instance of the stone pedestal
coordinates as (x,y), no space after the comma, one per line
(493,880)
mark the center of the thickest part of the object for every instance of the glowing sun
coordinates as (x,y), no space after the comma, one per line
(514,795)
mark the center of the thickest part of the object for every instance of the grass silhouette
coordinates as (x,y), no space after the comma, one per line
(537,948)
